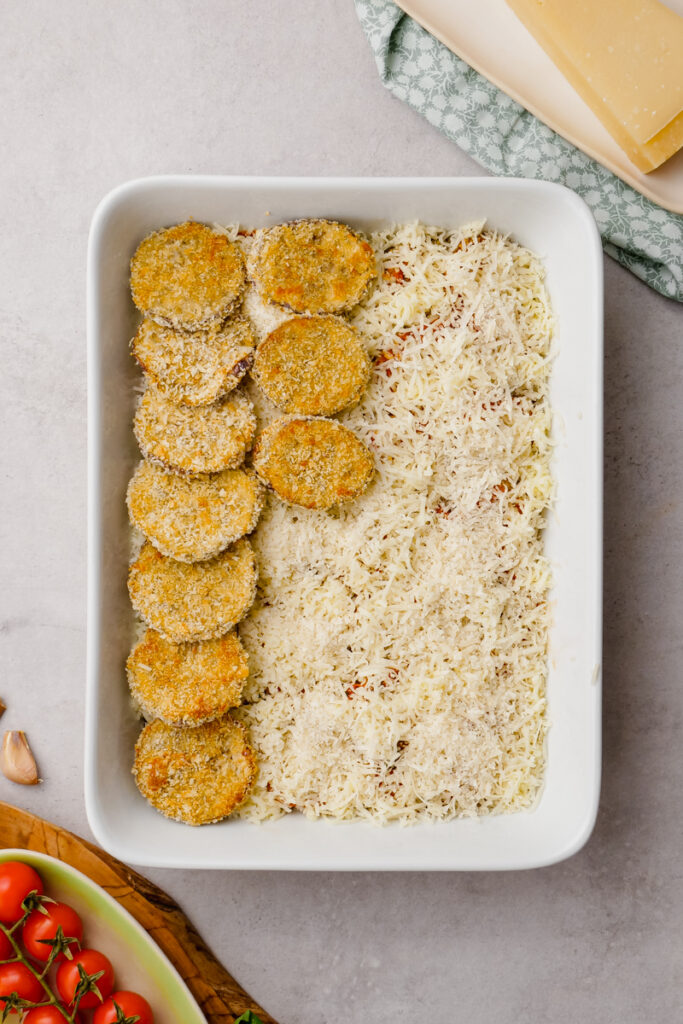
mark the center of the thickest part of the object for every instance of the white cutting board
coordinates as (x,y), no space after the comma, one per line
(492,40)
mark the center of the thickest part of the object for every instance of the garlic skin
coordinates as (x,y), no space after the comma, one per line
(3,707)
(17,763)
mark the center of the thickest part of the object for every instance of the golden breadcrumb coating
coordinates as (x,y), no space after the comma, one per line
(187,276)
(194,775)
(316,463)
(313,365)
(191,519)
(194,440)
(312,266)
(193,602)
(186,684)
(194,367)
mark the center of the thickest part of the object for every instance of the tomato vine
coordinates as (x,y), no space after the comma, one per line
(60,945)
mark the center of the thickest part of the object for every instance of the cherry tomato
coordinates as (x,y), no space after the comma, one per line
(17,880)
(47,1015)
(41,926)
(68,978)
(130,1004)
(18,978)
(6,950)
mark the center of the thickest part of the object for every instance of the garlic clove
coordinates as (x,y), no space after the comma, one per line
(17,763)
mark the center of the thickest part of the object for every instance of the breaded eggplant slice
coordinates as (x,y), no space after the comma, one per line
(186,684)
(312,365)
(195,367)
(315,463)
(200,601)
(187,276)
(194,440)
(197,776)
(191,519)
(312,266)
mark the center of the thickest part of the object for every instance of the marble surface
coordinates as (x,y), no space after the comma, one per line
(94,94)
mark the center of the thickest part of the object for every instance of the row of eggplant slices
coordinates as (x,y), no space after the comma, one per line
(192,496)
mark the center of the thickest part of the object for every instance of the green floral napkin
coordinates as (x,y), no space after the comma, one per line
(508,140)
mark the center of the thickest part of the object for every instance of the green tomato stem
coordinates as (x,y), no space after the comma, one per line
(21,958)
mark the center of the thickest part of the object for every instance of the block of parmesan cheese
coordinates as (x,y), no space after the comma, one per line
(625,59)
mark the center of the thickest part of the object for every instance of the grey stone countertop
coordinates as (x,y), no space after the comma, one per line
(94,94)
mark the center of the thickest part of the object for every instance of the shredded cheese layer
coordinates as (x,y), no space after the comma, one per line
(398,646)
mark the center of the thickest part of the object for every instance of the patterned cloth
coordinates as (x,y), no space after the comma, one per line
(506,139)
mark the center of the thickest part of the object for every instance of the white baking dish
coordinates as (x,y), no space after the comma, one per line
(558,226)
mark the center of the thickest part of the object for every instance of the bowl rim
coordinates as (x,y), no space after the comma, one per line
(78,880)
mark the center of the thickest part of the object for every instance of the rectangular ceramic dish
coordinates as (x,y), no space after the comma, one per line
(558,226)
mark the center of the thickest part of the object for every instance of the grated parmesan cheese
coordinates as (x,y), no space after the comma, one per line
(398,646)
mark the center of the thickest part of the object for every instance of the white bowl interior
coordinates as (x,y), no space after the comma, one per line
(556,225)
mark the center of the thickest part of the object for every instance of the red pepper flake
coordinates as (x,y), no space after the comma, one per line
(385,355)
(350,690)
(467,242)
(496,490)
(501,488)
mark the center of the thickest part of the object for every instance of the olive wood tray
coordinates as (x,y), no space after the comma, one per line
(220,997)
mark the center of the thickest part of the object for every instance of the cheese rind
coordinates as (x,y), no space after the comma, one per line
(625,60)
